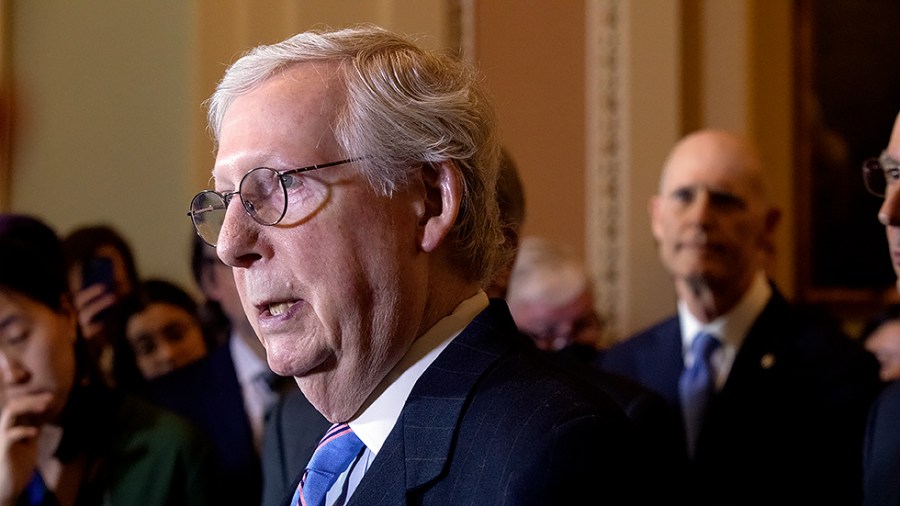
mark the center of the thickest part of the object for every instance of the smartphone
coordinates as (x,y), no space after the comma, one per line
(98,271)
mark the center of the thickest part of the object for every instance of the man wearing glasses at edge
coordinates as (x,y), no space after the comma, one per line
(881,464)
(362,272)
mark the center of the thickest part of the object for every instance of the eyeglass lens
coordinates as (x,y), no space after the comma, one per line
(878,177)
(262,195)
(874,177)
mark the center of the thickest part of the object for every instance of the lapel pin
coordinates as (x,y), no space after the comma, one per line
(767,361)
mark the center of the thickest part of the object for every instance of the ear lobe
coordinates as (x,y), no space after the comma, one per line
(442,195)
(772,218)
(653,206)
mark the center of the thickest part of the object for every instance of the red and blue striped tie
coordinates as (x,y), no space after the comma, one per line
(337,449)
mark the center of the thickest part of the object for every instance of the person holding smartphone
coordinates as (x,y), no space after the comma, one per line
(65,437)
(101,272)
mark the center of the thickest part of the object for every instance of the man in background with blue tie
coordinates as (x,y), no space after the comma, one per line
(881,462)
(773,398)
(355,200)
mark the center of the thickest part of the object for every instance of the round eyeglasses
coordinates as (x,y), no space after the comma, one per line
(263,193)
(879,174)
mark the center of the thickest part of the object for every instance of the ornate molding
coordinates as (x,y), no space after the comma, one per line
(605,146)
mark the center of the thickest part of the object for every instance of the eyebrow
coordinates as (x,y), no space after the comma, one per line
(9,320)
(886,158)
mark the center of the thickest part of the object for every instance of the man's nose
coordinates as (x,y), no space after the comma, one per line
(700,208)
(165,352)
(11,370)
(237,236)
(889,213)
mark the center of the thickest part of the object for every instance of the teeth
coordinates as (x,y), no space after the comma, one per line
(278,309)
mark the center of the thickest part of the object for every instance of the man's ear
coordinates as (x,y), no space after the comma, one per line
(440,204)
(771,220)
(655,227)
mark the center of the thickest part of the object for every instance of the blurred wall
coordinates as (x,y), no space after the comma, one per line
(100,131)
(109,125)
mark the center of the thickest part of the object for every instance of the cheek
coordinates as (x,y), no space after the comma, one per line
(892,233)
(237,300)
(147,365)
(193,345)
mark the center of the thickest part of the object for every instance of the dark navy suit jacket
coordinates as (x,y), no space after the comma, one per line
(881,486)
(492,422)
(787,426)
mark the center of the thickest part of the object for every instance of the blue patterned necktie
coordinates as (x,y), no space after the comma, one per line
(696,386)
(337,449)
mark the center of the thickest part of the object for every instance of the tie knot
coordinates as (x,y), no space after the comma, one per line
(336,451)
(704,345)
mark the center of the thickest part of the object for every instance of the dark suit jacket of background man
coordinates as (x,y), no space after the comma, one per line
(293,430)
(492,422)
(208,394)
(881,486)
(788,424)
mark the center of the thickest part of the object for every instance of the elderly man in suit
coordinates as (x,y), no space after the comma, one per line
(355,200)
(772,398)
(882,447)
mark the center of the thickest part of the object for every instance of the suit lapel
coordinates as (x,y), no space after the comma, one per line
(419,445)
(763,346)
(664,363)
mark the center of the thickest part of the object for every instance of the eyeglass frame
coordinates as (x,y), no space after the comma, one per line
(227,196)
(885,163)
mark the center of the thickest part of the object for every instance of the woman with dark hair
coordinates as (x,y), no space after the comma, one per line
(163,330)
(101,271)
(65,438)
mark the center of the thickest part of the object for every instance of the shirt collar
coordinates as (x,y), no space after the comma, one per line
(377,420)
(732,327)
(247,364)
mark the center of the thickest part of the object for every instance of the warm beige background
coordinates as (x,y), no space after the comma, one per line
(109,125)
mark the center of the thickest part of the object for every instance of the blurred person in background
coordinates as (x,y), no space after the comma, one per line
(231,391)
(162,328)
(772,395)
(101,271)
(65,437)
(551,298)
(881,454)
(511,201)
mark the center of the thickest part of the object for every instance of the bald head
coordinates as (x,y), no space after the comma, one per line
(735,157)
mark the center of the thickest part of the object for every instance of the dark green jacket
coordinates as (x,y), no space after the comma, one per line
(136,453)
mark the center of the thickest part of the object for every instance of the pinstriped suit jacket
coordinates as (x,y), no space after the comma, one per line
(492,422)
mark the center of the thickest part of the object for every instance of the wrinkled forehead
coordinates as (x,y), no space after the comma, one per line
(721,174)
(714,160)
